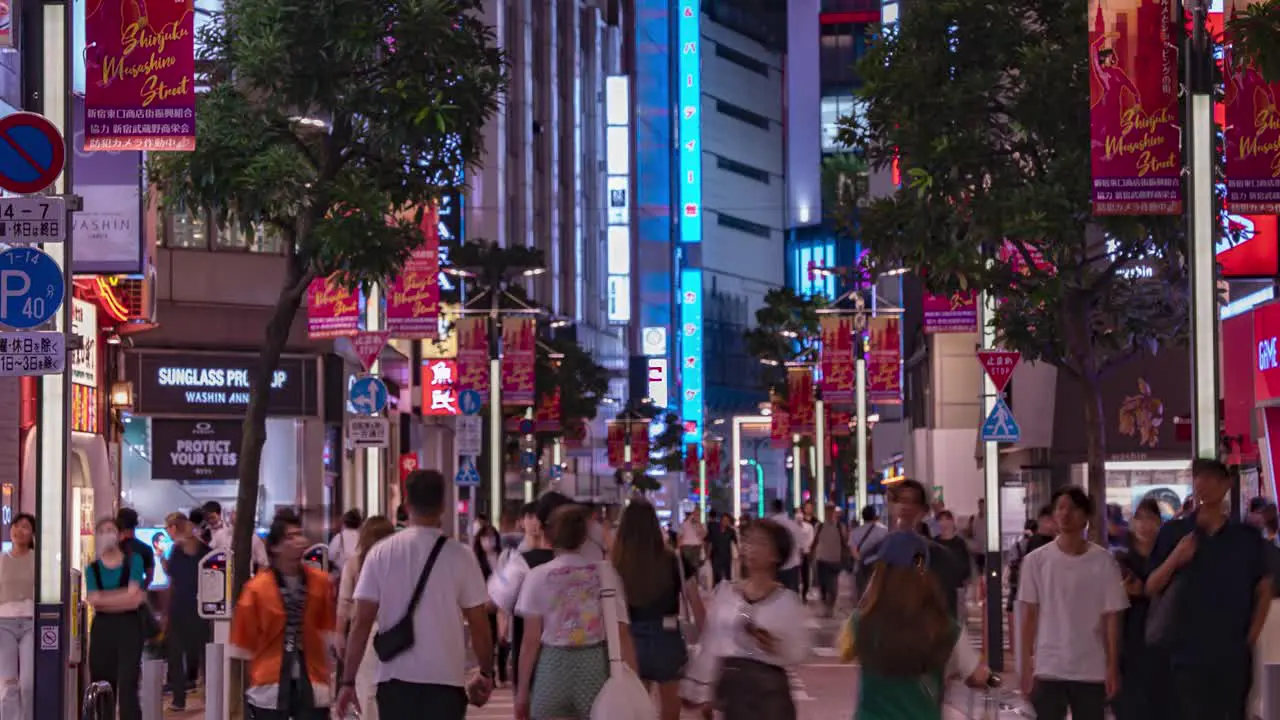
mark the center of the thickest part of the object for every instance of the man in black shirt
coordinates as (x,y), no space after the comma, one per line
(722,539)
(127,522)
(910,505)
(186,633)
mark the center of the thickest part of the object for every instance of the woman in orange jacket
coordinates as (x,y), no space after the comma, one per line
(283,627)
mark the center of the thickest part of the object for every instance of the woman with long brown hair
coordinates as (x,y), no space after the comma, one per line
(655,581)
(905,638)
(374,529)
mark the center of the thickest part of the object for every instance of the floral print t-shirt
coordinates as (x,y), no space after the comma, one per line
(565,593)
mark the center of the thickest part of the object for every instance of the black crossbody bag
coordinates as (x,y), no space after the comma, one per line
(396,640)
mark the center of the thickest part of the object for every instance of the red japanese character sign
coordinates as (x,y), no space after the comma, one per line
(439,387)
(999,365)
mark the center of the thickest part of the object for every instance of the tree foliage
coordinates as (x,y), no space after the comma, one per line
(988,108)
(332,126)
(1256,37)
(786,331)
(666,450)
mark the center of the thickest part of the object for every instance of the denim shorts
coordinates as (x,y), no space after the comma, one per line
(660,650)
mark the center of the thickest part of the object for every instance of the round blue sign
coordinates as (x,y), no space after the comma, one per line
(526,426)
(31,288)
(367,396)
(469,402)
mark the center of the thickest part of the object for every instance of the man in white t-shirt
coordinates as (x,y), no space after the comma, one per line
(431,673)
(789,573)
(1072,595)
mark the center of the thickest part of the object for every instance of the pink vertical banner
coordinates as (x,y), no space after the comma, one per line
(884,361)
(1135,140)
(1252,134)
(473,354)
(837,359)
(800,395)
(519,348)
(779,425)
(955,313)
(413,299)
(333,310)
(140,69)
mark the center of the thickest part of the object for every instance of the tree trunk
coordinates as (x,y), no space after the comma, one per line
(1095,431)
(254,434)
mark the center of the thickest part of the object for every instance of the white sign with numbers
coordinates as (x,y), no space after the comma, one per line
(34,219)
(32,353)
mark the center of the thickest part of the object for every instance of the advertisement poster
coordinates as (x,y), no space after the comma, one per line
(839,422)
(957,313)
(140,66)
(1250,247)
(413,300)
(546,418)
(1135,138)
(800,394)
(333,310)
(473,354)
(837,359)
(616,443)
(639,445)
(195,450)
(884,361)
(519,348)
(108,230)
(779,425)
(1252,134)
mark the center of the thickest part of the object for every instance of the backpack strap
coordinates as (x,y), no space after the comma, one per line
(96,568)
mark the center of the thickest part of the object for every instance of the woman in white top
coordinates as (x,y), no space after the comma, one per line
(374,529)
(17,608)
(564,632)
(757,628)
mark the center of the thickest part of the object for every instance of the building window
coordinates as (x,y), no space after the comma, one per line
(840,46)
(746,226)
(742,114)
(742,169)
(742,60)
(260,238)
(833,109)
(184,229)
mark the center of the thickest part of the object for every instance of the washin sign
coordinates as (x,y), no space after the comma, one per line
(140,76)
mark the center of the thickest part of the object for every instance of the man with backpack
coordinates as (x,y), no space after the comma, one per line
(862,541)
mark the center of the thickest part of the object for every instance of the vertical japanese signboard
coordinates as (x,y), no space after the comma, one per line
(546,418)
(439,387)
(519,348)
(779,424)
(639,440)
(413,299)
(800,394)
(837,359)
(616,443)
(1252,135)
(1135,139)
(333,310)
(473,354)
(884,361)
(140,76)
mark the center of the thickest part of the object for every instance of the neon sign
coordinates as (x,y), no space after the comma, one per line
(689,97)
(691,391)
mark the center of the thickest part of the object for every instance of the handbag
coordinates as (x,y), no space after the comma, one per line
(623,696)
(688,624)
(396,640)
(697,686)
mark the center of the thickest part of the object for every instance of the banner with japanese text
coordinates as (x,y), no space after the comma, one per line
(884,361)
(639,445)
(1135,135)
(140,69)
(1252,133)
(546,417)
(413,298)
(838,422)
(333,310)
(616,443)
(779,424)
(519,348)
(473,354)
(800,395)
(714,452)
(691,462)
(955,313)
(837,359)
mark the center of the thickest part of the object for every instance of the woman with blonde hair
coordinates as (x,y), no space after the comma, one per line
(905,638)
(374,529)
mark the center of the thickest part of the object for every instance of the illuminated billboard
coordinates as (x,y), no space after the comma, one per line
(691,341)
(689,97)
(617,98)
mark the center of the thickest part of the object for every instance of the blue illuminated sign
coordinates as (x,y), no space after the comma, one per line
(691,384)
(689,102)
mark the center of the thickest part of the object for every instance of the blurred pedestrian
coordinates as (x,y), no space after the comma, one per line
(789,570)
(343,543)
(186,633)
(113,588)
(17,613)
(373,531)
(830,545)
(1143,669)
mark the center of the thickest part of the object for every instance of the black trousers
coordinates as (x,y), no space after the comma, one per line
(806,569)
(184,643)
(115,657)
(1218,691)
(721,569)
(257,713)
(828,581)
(399,699)
(790,578)
(1085,700)
(500,644)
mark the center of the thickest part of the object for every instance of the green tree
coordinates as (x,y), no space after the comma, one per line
(786,331)
(1256,34)
(988,108)
(332,126)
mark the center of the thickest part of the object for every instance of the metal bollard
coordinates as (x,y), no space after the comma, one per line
(99,702)
(215,691)
(151,689)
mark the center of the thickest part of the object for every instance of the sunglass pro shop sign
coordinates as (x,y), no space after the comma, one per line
(217,384)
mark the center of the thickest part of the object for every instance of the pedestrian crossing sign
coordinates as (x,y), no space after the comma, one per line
(1000,425)
(467,475)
